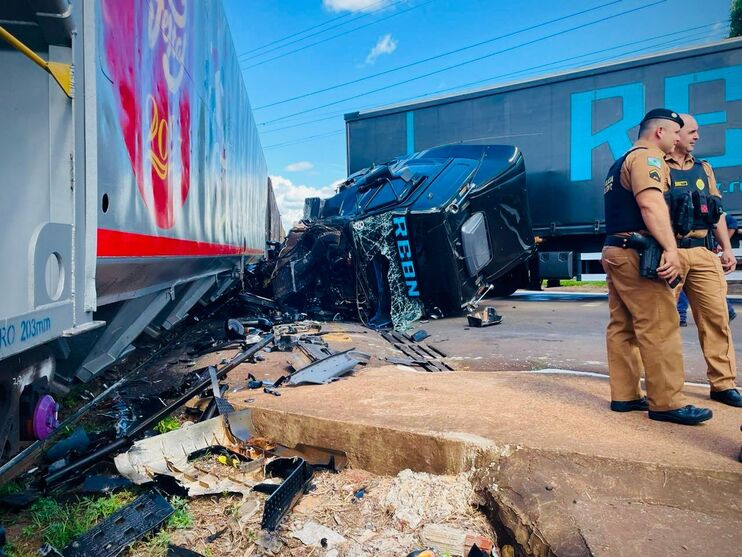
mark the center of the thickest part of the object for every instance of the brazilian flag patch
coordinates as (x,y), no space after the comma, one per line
(654,161)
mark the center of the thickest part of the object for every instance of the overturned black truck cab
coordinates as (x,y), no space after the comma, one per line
(422,235)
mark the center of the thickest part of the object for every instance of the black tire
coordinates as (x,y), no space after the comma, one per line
(503,289)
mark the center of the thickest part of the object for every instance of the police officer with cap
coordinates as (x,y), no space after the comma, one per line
(695,211)
(643,331)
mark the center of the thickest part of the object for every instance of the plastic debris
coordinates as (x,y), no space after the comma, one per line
(122,528)
(314,534)
(104,484)
(454,541)
(178,551)
(169,455)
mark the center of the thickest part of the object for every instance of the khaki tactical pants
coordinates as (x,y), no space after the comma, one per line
(643,334)
(706,288)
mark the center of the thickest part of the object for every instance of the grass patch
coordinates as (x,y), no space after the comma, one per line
(12,550)
(578,283)
(156,546)
(72,399)
(59,523)
(167,424)
(181,518)
(10,488)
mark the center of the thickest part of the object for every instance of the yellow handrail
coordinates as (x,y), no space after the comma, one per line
(62,73)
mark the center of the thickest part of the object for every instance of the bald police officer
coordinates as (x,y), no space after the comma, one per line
(643,331)
(695,207)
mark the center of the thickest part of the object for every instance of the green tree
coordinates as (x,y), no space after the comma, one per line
(735,16)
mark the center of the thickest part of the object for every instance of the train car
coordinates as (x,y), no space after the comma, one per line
(128,197)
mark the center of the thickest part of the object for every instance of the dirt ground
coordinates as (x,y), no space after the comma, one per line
(359,514)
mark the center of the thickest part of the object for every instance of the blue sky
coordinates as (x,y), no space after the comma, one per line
(360,38)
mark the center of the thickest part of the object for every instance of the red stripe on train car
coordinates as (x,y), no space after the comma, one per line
(114,243)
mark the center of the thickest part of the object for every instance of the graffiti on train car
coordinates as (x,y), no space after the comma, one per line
(148,70)
(178,118)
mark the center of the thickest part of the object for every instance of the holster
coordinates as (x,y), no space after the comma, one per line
(649,250)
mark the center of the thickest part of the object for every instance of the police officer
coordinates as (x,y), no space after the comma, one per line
(643,331)
(695,207)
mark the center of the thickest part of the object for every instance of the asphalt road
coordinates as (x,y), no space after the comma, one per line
(549,330)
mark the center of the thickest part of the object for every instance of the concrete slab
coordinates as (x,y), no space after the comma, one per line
(561,413)
(560,471)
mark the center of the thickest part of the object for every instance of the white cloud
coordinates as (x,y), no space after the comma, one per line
(290,198)
(355,5)
(385,45)
(300,166)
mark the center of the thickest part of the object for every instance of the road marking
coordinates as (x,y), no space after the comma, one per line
(558,371)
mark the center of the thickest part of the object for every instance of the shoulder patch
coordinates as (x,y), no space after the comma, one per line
(654,175)
(654,161)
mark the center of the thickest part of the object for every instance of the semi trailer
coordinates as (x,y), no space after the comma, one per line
(570,127)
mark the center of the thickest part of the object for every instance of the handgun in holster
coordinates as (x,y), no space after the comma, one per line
(650,255)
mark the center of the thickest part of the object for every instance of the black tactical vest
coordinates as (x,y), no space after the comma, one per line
(691,188)
(622,213)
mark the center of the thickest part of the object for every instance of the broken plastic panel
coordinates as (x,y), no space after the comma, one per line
(296,473)
(122,528)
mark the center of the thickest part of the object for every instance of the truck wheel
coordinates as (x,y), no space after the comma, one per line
(503,289)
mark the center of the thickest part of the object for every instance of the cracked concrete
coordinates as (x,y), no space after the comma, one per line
(560,472)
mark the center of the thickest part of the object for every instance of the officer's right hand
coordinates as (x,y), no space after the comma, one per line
(669,268)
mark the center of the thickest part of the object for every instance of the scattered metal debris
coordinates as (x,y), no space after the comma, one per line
(222,406)
(146,423)
(234,330)
(315,350)
(25,459)
(122,528)
(484,318)
(259,301)
(417,353)
(329,368)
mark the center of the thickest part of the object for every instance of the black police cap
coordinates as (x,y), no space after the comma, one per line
(663,114)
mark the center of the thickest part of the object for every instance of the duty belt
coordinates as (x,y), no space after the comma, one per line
(620,242)
(687,243)
(683,243)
